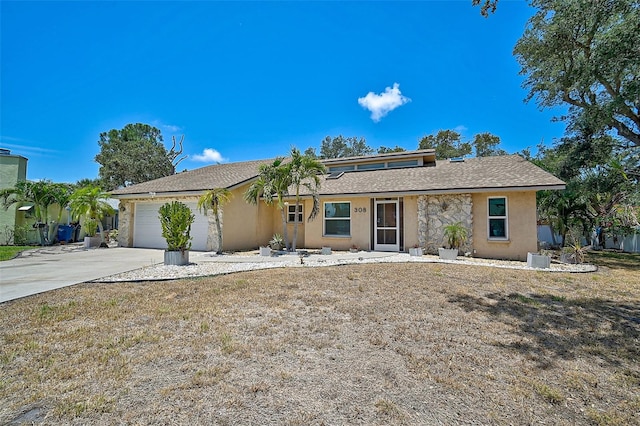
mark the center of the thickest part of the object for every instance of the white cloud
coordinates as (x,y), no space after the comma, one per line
(171,128)
(380,105)
(166,127)
(25,147)
(461,129)
(209,155)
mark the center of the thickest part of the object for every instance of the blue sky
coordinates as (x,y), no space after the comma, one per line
(244,81)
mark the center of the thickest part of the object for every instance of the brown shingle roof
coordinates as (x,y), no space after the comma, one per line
(209,177)
(503,172)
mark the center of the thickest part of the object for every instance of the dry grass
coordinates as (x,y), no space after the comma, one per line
(369,344)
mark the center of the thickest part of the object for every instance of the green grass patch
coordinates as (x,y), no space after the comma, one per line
(526,300)
(552,395)
(9,252)
(614,259)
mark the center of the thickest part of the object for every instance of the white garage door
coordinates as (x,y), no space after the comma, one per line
(147,232)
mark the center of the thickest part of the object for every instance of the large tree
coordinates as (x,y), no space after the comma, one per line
(450,144)
(487,145)
(135,154)
(599,193)
(387,150)
(586,55)
(304,172)
(339,147)
(486,6)
(447,143)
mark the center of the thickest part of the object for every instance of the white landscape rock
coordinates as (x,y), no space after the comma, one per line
(226,264)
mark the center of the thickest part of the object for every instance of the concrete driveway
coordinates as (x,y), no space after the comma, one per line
(50,268)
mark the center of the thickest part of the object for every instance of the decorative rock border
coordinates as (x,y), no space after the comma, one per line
(226,264)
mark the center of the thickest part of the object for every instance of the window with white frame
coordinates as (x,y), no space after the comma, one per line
(291,216)
(337,219)
(498,224)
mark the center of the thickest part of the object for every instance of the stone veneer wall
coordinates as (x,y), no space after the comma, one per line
(124,224)
(437,211)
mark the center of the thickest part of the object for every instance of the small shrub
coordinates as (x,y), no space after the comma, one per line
(176,219)
(573,253)
(16,236)
(455,234)
(9,235)
(277,242)
(90,227)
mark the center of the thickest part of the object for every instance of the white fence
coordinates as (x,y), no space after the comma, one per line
(630,243)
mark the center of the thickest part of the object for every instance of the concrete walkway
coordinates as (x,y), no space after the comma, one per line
(48,268)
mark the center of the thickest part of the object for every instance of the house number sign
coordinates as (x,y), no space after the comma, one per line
(359,209)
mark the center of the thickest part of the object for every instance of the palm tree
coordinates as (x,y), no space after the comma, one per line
(19,194)
(60,194)
(90,202)
(303,171)
(40,194)
(273,185)
(214,200)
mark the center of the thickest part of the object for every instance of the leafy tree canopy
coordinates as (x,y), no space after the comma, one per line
(486,145)
(601,192)
(135,154)
(447,143)
(87,182)
(486,6)
(584,54)
(385,150)
(344,147)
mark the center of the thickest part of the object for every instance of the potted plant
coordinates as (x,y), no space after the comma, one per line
(456,235)
(416,250)
(354,249)
(176,219)
(277,242)
(90,230)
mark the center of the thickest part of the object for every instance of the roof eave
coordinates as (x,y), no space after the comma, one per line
(446,191)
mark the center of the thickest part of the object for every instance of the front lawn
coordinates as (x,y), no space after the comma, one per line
(9,252)
(363,344)
(614,259)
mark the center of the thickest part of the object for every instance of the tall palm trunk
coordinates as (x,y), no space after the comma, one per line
(219,231)
(295,222)
(101,230)
(285,233)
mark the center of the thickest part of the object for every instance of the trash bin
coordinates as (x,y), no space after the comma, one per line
(65,233)
(76,232)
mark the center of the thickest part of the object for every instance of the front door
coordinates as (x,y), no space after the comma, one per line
(387,225)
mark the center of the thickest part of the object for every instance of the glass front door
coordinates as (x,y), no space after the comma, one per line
(387,229)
